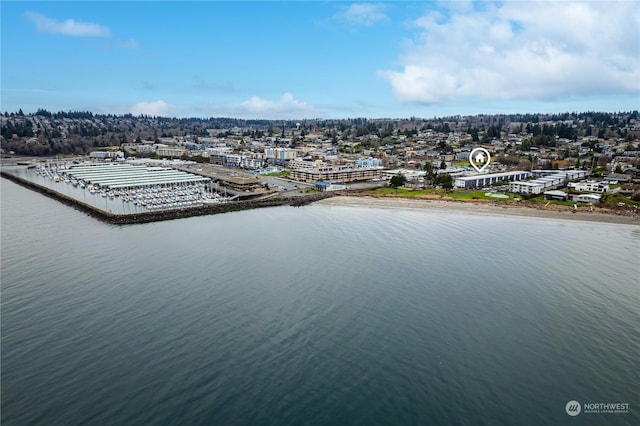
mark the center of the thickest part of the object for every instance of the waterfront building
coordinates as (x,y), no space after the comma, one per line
(537,186)
(329,186)
(590,186)
(480,180)
(529,188)
(546,180)
(242,183)
(339,174)
(555,195)
(587,198)
(119,176)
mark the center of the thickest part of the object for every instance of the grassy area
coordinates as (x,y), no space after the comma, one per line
(281,173)
(612,200)
(466,194)
(470,195)
(405,192)
(308,191)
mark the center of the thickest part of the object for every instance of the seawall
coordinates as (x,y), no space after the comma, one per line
(122,219)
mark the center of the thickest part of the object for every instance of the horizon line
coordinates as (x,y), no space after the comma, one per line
(312,118)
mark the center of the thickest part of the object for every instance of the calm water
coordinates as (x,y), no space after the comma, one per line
(320,315)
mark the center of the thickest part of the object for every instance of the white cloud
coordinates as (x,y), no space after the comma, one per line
(285,107)
(159,107)
(69,27)
(365,14)
(522,50)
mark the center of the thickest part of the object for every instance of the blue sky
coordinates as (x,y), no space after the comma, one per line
(291,60)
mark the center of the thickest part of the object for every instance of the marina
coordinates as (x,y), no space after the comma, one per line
(123,193)
(123,188)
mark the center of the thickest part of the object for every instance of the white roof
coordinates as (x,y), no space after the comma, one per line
(555,193)
(492,175)
(126,175)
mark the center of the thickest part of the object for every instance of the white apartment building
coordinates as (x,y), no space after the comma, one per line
(526,187)
(480,180)
(168,151)
(587,198)
(336,174)
(282,154)
(547,179)
(590,186)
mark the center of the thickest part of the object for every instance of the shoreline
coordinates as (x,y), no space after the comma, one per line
(480,207)
(353,199)
(156,216)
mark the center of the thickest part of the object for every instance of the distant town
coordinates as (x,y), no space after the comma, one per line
(586,159)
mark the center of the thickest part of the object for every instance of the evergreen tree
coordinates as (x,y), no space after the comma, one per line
(398,180)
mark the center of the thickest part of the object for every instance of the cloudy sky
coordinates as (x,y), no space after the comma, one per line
(326,59)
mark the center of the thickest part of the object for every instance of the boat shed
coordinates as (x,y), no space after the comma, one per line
(117,176)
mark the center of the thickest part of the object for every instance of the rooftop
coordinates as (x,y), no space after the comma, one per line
(128,176)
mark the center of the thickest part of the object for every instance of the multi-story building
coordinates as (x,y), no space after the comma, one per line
(480,180)
(547,179)
(300,164)
(106,154)
(223,159)
(280,155)
(368,162)
(168,151)
(245,161)
(590,186)
(252,163)
(587,198)
(339,174)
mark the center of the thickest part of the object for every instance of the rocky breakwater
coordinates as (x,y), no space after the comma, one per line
(154,216)
(209,209)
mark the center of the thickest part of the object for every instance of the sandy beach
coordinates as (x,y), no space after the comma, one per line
(480,207)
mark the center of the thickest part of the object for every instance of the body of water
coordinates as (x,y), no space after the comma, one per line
(318,315)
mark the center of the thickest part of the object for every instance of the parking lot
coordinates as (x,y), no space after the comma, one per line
(283,184)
